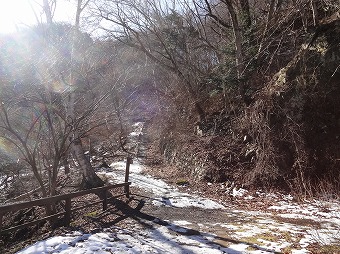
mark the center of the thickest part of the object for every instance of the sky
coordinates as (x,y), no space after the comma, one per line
(15,14)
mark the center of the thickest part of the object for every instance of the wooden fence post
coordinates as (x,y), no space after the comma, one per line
(49,202)
(127,173)
(1,216)
(105,200)
(67,211)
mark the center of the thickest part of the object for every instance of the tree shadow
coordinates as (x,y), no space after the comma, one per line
(132,209)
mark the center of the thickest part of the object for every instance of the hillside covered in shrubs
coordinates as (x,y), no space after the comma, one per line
(229,91)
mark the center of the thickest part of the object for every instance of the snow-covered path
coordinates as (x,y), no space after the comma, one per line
(163,193)
(285,228)
(186,223)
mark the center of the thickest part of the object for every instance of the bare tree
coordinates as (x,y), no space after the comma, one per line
(48,7)
(33,123)
(167,36)
(70,77)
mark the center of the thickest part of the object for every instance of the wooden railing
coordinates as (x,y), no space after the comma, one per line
(51,201)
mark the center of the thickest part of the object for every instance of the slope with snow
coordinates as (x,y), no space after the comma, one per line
(285,227)
(254,232)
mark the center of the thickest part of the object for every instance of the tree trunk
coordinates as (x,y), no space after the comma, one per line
(246,17)
(90,178)
(65,163)
(238,38)
(47,11)
(239,51)
(315,13)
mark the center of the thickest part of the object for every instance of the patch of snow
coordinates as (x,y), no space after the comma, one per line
(248,197)
(182,222)
(134,133)
(238,248)
(270,195)
(120,166)
(325,236)
(305,241)
(138,124)
(239,192)
(250,230)
(302,251)
(138,129)
(186,200)
(282,206)
(288,197)
(116,240)
(166,195)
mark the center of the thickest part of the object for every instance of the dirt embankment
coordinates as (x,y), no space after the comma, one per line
(287,137)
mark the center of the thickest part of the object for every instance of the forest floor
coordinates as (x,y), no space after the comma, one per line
(170,215)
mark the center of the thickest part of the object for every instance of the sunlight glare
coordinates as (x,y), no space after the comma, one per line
(7,148)
(16,14)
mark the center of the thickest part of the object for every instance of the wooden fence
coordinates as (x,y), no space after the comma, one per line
(51,201)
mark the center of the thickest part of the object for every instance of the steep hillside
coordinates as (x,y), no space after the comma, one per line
(287,137)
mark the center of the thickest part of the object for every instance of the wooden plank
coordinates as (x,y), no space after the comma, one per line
(6,230)
(95,203)
(27,224)
(54,199)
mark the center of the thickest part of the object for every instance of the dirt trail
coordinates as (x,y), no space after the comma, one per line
(287,228)
(179,219)
(273,224)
